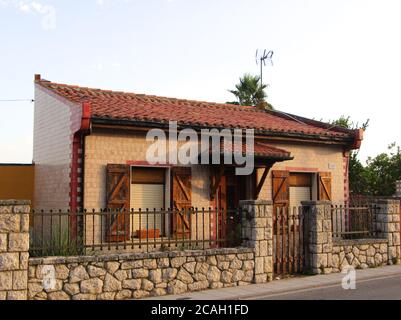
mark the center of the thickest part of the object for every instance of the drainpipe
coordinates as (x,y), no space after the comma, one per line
(77,167)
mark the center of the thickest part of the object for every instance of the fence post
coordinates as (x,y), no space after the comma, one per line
(318,236)
(14,249)
(257,233)
(388,226)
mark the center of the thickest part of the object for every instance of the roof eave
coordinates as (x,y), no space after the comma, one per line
(348,141)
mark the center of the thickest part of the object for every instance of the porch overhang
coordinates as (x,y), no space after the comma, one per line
(265,156)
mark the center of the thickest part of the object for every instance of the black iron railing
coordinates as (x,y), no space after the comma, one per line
(58,233)
(354,222)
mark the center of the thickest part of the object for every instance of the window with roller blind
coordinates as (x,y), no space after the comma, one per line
(300,188)
(148,193)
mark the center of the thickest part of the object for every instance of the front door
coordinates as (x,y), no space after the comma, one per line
(221,209)
(182,202)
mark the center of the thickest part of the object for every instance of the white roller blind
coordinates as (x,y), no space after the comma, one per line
(299,194)
(147,196)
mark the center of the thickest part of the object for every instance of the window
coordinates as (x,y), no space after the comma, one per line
(147,192)
(300,188)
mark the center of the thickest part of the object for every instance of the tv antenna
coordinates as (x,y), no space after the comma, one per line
(261,58)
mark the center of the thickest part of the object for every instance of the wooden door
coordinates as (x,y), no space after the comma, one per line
(221,194)
(118,201)
(221,209)
(182,201)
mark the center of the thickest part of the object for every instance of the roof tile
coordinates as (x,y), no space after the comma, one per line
(139,107)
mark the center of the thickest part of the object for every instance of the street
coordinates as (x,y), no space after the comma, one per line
(384,288)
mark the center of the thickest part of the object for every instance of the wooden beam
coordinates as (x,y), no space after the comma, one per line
(262,180)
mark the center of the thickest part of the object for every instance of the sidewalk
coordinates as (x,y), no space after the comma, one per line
(282,286)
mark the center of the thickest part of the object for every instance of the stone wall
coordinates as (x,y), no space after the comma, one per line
(14,247)
(135,276)
(360,254)
(388,226)
(318,235)
(257,233)
(138,275)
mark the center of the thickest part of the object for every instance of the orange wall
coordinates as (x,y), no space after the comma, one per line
(17,182)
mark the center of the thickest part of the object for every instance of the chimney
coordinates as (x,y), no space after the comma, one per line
(38,77)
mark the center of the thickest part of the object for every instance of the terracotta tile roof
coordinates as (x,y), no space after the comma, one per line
(146,108)
(261,149)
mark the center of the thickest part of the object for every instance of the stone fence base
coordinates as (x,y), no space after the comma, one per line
(14,247)
(360,254)
(139,275)
(135,276)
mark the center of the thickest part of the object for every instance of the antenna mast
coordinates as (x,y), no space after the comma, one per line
(262,58)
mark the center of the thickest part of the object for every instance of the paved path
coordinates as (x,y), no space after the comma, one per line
(309,287)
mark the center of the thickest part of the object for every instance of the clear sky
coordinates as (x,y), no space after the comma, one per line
(332,57)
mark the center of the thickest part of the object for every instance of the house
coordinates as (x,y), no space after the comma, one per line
(90,152)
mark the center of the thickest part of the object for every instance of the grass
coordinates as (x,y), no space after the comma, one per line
(59,244)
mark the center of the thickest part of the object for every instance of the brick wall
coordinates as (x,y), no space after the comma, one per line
(55,122)
(103,148)
(312,158)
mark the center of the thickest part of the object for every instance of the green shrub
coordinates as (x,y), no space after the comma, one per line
(59,244)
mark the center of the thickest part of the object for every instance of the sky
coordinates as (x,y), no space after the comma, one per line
(331,57)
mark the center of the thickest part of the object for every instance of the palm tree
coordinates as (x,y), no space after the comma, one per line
(250,92)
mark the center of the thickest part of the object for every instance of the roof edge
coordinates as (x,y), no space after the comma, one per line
(349,141)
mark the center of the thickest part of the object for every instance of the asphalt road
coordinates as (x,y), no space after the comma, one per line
(385,288)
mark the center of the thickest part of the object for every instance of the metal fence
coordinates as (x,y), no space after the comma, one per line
(58,233)
(354,222)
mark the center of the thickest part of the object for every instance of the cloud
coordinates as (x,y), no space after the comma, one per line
(46,11)
(102,2)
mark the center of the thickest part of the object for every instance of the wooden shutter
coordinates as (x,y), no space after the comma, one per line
(281,198)
(118,199)
(281,189)
(324,186)
(182,201)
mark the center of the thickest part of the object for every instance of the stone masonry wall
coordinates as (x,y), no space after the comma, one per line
(388,226)
(360,254)
(318,234)
(135,276)
(257,233)
(14,247)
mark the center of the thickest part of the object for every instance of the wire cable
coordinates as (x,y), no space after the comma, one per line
(17,100)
